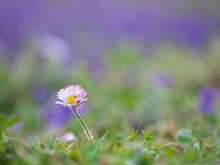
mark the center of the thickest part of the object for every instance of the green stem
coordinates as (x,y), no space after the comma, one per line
(86,130)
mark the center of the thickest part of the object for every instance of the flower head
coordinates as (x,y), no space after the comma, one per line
(72,96)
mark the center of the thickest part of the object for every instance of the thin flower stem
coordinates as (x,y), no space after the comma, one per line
(86,130)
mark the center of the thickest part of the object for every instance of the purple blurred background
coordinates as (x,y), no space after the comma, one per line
(63,32)
(89,28)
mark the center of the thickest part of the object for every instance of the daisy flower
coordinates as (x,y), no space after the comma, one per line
(72,97)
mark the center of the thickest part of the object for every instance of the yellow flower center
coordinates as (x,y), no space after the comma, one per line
(71,100)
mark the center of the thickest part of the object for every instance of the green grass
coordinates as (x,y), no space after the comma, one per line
(133,119)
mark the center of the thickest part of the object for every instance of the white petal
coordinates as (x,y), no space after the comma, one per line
(60,103)
(61,98)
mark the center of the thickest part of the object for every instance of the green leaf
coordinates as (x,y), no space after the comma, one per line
(9,122)
(199,145)
(158,147)
(104,136)
(133,135)
(184,136)
(148,136)
(53,142)
(191,156)
(2,118)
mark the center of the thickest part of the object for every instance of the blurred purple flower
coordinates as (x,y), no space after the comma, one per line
(207,99)
(17,127)
(3,48)
(91,27)
(56,116)
(41,93)
(96,67)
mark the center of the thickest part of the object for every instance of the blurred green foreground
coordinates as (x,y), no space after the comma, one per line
(143,108)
